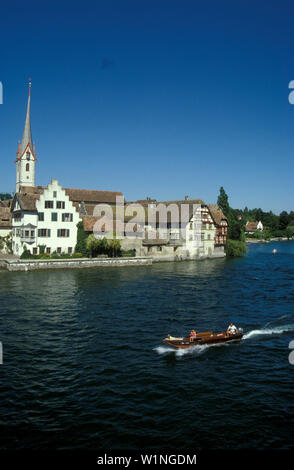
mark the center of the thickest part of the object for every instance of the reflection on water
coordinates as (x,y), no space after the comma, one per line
(85,366)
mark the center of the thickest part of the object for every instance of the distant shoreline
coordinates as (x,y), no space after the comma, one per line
(254,240)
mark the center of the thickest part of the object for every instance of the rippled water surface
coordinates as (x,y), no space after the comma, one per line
(85,367)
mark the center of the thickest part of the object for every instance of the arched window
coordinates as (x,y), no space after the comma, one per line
(27,167)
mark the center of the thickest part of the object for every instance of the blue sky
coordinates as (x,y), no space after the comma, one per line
(157,98)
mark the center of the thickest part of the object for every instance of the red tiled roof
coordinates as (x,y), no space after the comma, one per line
(251,226)
(27,201)
(94,197)
(216,213)
(28,195)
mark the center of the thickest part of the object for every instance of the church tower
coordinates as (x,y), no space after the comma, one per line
(26,155)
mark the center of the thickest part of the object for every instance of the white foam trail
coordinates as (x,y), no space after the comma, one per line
(269,331)
(194,350)
(199,349)
(163,350)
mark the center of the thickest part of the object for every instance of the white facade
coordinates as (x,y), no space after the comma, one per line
(52,225)
(198,241)
(24,224)
(200,233)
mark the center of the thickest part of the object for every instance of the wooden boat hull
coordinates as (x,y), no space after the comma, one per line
(201,339)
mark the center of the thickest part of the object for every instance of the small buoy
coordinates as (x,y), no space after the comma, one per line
(274,251)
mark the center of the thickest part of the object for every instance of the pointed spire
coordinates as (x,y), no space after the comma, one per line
(27,133)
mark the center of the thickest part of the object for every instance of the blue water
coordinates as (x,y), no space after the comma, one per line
(85,367)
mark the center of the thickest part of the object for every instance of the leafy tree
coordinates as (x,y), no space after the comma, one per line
(107,247)
(81,240)
(95,246)
(236,226)
(259,215)
(266,233)
(234,230)
(291,218)
(115,247)
(270,220)
(284,220)
(5,196)
(223,201)
(235,248)
(290,231)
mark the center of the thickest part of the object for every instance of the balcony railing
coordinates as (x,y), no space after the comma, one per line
(27,238)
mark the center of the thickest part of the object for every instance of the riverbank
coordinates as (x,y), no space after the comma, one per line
(34,265)
(13,263)
(278,239)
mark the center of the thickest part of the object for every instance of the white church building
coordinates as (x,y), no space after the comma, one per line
(44,218)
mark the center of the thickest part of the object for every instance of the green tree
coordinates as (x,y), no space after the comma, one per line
(93,245)
(235,248)
(223,201)
(115,248)
(290,231)
(270,220)
(266,233)
(5,196)
(291,218)
(81,240)
(236,224)
(284,220)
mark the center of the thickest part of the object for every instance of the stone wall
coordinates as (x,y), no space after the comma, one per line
(218,252)
(32,265)
(133,244)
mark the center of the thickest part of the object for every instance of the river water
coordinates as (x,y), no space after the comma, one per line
(84,366)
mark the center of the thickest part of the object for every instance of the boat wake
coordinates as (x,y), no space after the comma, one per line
(278,330)
(196,350)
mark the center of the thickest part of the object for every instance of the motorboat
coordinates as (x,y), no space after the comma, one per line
(208,337)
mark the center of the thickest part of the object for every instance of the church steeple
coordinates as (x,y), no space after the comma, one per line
(27,133)
(26,155)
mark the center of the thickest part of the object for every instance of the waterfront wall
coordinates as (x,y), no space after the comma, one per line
(33,265)
(74,263)
(185,255)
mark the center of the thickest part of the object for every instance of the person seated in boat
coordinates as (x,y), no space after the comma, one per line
(232,329)
(192,335)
